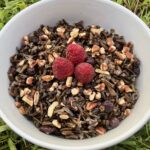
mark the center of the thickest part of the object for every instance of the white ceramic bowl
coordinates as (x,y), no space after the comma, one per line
(99,12)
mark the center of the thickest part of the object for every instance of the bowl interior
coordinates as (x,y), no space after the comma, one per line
(99,12)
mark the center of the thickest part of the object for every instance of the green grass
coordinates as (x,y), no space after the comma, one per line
(11,141)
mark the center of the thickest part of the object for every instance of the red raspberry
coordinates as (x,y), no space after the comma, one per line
(84,72)
(75,53)
(62,68)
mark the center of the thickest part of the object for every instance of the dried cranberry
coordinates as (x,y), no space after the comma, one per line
(136,67)
(90,60)
(31,71)
(114,122)
(108,106)
(47,129)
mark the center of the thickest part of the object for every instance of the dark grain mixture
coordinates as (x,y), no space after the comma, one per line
(68,108)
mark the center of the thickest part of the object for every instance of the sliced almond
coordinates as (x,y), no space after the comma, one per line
(92,96)
(51,108)
(64,117)
(21,63)
(96,31)
(28,100)
(47,78)
(50,58)
(36,97)
(69,81)
(56,123)
(74,33)
(102,72)
(109,41)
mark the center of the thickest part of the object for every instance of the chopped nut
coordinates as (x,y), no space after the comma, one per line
(74,33)
(21,63)
(121,101)
(28,100)
(127,112)
(104,67)
(121,85)
(64,117)
(112,48)
(88,49)
(96,31)
(91,105)
(29,80)
(26,38)
(55,85)
(51,89)
(51,108)
(98,95)
(102,72)
(92,96)
(102,108)
(95,48)
(22,110)
(17,104)
(120,55)
(126,51)
(79,84)
(32,63)
(43,37)
(56,123)
(127,89)
(47,78)
(45,30)
(82,35)
(102,50)
(56,55)
(87,92)
(41,62)
(101,130)
(102,87)
(109,41)
(50,58)
(129,55)
(70,40)
(118,62)
(61,31)
(75,91)
(36,97)
(22,93)
(27,91)
(69,82)
(48,47)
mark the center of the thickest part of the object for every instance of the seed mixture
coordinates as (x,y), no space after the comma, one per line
(73,81)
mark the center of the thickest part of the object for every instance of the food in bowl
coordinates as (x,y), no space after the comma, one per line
(73,81)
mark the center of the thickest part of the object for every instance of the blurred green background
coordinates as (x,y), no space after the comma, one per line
(10,141)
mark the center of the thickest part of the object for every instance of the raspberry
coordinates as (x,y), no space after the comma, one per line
(62,68)
(84,73)
(75,53)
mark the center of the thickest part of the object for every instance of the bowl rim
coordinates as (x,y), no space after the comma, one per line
(118,139)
